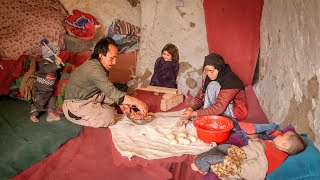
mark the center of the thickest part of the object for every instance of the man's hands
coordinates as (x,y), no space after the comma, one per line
(142,107)
(125,109)
(130,101)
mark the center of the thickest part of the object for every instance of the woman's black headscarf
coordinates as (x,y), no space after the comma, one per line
(226,78)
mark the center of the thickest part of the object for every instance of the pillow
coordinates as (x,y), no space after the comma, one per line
(26,22)
(305,165)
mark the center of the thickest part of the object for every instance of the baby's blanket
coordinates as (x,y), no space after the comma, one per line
(150,141)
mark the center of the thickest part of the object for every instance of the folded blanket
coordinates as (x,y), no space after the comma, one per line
(150,141)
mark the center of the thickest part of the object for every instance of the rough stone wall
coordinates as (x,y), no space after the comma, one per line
(288,86)
(106,11)
(162,22)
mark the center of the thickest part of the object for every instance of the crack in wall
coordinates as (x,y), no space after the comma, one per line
(181,12)
(143,79)
(298,113)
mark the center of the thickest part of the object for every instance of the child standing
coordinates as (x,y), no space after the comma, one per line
(42,91)
(166,68)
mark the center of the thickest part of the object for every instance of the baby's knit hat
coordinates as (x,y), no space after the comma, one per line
(46,54)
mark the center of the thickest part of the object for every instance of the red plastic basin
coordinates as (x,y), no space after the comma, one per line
(213,128)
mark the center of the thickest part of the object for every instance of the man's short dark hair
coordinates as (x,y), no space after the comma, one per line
(102,47)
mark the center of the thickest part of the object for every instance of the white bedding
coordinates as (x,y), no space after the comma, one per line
(150,141)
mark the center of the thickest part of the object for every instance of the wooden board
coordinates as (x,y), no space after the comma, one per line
(160,89)
(168,96)
(170,101)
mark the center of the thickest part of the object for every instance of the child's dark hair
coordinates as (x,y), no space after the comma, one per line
(173,50)
(102,47)
(297,144)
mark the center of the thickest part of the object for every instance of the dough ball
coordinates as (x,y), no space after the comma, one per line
(192,138)
(180,140)
(173,142)
(184,135)
(186,141)
(170,136)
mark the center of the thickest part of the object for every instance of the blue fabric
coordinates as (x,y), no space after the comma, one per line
(45,52)
(240,132)
(81,22)
(111,33)
(303,166)
(214,156)
(268,128)
(264,130)
(212,92)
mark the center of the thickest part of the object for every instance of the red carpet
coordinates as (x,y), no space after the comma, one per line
(93,156)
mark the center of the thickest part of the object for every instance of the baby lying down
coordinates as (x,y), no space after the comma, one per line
(253,161)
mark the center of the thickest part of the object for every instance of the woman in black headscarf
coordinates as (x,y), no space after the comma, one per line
(222,92)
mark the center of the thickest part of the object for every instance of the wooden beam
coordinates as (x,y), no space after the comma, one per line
(160,89)
(170,101)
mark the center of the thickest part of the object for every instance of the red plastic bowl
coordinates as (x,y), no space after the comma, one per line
(213,128)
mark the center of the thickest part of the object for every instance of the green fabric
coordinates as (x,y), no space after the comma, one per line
(63,84)
(23,142)
(89,79)
(121,87)
(16,84)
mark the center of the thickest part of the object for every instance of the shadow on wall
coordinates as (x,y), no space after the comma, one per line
(255,78)
(133,2)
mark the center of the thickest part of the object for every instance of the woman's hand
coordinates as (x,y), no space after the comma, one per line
(188,114)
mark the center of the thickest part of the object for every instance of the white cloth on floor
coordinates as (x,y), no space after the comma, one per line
(150,141)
